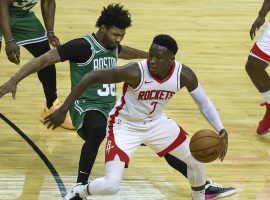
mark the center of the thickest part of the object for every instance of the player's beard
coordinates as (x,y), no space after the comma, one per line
(109,45)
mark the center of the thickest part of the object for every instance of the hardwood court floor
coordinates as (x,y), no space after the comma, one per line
(213,37)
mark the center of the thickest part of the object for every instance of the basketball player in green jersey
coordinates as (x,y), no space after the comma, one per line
(20,27)
(90,112)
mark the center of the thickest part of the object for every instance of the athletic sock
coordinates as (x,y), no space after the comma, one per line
(266,96)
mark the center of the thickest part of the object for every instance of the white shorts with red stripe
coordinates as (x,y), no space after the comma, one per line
(261,48)
(162,135)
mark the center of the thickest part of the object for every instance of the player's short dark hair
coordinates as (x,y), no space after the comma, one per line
(114,15)
(166,41)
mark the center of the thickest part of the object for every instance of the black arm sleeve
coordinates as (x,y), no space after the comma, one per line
(77,51)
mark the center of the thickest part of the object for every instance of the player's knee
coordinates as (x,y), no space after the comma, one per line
(194,165)
(111,190)
(197,166)
(113,186)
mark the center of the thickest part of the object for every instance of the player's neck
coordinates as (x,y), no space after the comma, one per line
(165,73)
(168,71)
(99,38)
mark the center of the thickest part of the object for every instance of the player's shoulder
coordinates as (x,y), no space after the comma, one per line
(187,72)
(187,77)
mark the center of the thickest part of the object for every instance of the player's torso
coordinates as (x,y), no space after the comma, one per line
(21,7)
(149,99)
(101,58)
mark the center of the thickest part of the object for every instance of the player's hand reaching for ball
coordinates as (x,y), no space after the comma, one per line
(224,139)
(56,118)
(9,87)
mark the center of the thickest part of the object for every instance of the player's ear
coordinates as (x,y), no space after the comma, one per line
(103,28)
(173,57)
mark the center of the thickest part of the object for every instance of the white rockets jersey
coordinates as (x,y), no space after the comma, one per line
(148,100)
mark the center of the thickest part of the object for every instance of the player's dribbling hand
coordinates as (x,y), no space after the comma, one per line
(13,52)
(55,119)
(255,26)
(9,86)
(53,40)
(224,139)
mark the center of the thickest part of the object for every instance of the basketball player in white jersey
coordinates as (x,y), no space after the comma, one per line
(257,63)
(138,116)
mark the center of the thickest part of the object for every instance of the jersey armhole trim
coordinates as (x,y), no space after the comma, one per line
(142,77)
(92,56)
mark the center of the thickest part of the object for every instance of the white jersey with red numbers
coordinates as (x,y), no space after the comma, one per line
(261,48)
(148,100)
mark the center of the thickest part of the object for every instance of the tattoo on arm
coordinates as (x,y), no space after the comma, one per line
(131,53)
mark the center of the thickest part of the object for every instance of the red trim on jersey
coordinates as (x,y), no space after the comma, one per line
(258,52)
(156,78)
(178,141)
(112,149)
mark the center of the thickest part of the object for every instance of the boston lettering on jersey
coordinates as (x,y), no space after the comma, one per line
(155,95)
(104,62)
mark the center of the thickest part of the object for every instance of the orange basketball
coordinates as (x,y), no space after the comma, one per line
(205,146)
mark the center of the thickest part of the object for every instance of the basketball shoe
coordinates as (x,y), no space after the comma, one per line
(67,124)
(264,124)
(78,192)
(215,191)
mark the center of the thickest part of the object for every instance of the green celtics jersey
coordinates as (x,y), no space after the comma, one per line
(99,97)
(21,7)
(101,58)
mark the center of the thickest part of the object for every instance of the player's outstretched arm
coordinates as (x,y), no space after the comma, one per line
(132,53)
(35,65)
(260,19)
(207,108)
(129,74)
(48,14)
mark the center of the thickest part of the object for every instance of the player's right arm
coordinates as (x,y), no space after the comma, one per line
(77,50)
(12,49)
(189,80)
(129,74)
(260,19)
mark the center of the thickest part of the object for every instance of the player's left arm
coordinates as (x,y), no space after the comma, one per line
(207,108)
(132,53)
(48,14)
(129,74)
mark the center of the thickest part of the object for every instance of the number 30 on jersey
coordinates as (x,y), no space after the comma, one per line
(107,89)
